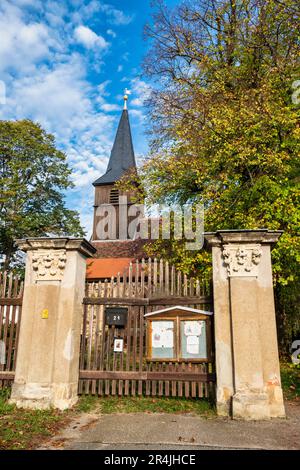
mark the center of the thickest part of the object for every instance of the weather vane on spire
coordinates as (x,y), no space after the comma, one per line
(126,94)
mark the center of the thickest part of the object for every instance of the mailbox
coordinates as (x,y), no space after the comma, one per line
(116,316)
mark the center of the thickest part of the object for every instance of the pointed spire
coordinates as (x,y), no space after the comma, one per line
(122,155)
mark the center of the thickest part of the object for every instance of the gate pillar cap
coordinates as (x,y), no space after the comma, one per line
(57,243)
(263,236)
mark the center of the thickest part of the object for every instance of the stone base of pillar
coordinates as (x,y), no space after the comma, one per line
(224,401)
(64,396)
(44,397)
(276,402)
(252,405)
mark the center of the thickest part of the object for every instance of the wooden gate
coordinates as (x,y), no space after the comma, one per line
(11,293)
(145,287)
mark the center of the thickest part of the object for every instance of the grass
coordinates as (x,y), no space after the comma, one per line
(107,405)
(25,429)
(290,378)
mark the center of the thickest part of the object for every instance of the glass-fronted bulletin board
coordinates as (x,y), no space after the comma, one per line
(193,339)
(179,334)
(162,338)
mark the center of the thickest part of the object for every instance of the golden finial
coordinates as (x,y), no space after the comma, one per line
(126,93)
(125,101)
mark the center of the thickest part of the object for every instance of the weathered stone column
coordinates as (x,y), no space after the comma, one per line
(48,352)
(247,363)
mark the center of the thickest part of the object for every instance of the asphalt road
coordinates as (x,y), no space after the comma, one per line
(143,431)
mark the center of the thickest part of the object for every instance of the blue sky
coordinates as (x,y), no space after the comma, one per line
(65,64)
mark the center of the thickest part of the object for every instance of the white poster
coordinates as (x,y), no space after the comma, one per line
(118,345)
(162,334)
(193,328)
(2,353)
(192,344)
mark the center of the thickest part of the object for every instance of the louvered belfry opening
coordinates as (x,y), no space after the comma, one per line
(114,196)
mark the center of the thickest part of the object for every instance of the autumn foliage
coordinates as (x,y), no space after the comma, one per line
(225,127)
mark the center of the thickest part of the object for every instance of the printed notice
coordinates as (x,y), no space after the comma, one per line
(162,334)
(2,353)
(192,345)
(193,328)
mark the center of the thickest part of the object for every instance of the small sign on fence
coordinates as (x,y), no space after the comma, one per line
(2,353)
(45,314)
(116,316)
(118,345)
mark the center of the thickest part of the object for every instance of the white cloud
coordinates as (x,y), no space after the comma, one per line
(51,95)
(140,88)
(23,3)
(22,44)
(115,16)
(110,107)
(140,92)
(89,38)
(138,114)
(111,33)
(120,68)
(47,81)
(137,102)
(63,102)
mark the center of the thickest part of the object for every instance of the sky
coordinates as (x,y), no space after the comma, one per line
(66,64)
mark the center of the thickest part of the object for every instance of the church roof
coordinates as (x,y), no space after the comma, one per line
(105,268)
(122,154)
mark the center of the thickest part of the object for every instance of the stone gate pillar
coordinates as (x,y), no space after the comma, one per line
(48,351)
(247,363)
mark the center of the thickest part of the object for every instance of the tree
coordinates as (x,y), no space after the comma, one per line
(33,174)
(225,130)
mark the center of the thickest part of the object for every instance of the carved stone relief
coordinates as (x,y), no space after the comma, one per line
(49,265)
(242,260)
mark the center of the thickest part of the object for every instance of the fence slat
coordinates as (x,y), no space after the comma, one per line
(149,274)
(161,277)
(134,349)
(96,346)
(102,353)
(128,350)
(173,280)
(121,364)
(110,335)
(155,276)
(130,281)
(136,279)
(114,382)
(143,269)
(141,347)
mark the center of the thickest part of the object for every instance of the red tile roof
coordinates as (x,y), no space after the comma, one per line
(105,268)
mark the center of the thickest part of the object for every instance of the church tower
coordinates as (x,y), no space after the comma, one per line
(117,245)
(121,160)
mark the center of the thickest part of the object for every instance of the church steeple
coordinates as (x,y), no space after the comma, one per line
(122,155)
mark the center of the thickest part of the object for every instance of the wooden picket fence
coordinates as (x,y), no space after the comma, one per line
(11,293)
(144,287)
(151,278)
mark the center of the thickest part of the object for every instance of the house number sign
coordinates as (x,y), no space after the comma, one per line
(116,316)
